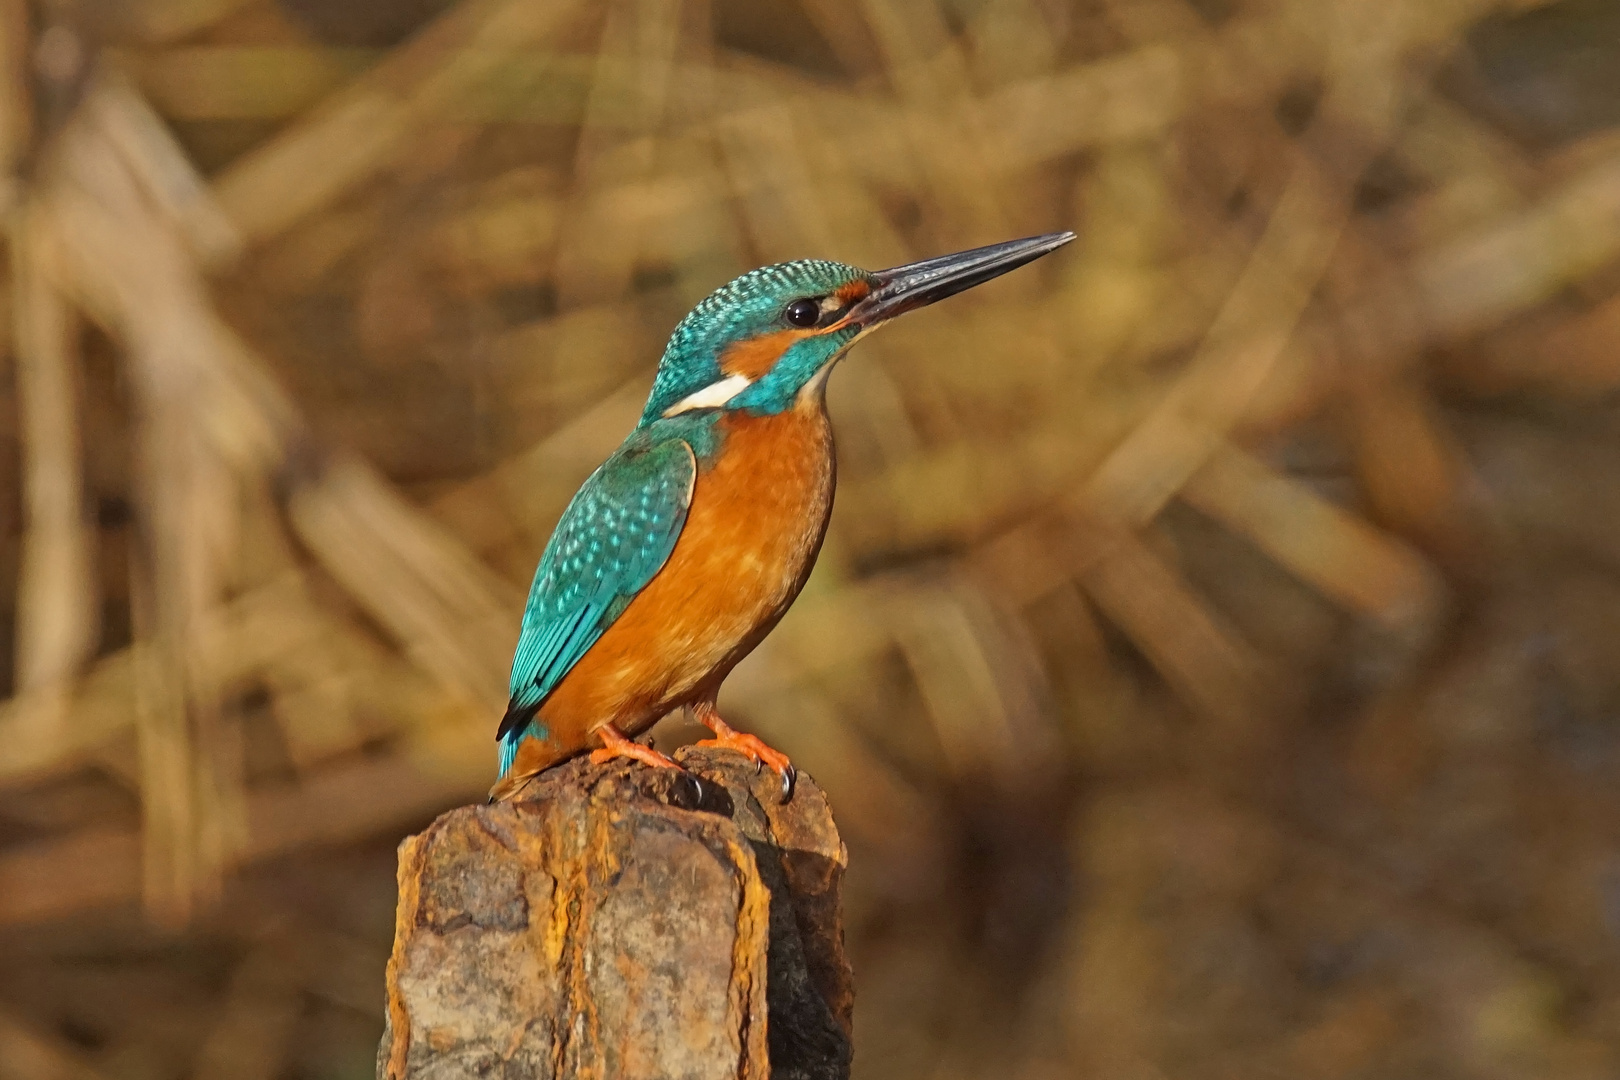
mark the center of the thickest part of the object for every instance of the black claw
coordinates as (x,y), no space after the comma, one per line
(686,791)
(790,777)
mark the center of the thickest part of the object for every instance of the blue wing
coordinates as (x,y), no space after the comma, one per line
(614,537)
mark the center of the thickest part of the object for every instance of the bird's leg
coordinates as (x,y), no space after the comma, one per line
(749,746)
(614,744)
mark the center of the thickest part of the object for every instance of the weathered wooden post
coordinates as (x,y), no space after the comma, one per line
(615,922)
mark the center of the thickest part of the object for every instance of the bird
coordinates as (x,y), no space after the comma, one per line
(683,550)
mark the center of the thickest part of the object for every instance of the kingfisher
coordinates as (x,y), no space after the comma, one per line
(683,550)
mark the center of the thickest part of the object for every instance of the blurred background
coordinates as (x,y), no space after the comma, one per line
(1214,663)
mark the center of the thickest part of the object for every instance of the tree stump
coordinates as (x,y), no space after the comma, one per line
(615,921)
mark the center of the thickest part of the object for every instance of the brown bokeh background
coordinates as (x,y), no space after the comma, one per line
(1214,662)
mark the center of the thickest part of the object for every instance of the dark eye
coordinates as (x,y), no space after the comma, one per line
(803,312)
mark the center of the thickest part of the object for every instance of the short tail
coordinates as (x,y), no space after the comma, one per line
(509,785)
(509,749)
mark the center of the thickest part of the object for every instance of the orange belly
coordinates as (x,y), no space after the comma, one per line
(751,536)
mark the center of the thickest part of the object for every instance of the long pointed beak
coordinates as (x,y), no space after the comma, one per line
(906,288)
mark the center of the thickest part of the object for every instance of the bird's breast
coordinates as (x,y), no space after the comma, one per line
(758,513)
(760,510)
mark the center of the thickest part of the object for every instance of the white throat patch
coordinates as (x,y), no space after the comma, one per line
(712,396)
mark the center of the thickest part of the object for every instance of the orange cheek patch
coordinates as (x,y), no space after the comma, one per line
(756,356)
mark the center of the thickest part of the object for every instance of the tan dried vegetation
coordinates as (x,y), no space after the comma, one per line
(1214,659)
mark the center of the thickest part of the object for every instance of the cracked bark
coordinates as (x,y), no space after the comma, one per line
(609,923)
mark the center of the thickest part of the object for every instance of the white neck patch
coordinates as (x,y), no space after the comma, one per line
(712,396)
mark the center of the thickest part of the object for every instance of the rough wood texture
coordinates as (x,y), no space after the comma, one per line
(615,922)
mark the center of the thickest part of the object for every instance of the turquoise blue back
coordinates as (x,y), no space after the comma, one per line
(614,537)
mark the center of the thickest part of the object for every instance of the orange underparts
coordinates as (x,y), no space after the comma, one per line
(757,517)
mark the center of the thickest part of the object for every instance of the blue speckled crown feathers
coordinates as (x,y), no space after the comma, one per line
(740,309)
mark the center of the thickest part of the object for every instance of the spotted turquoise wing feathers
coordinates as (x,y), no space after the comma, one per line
(614,537)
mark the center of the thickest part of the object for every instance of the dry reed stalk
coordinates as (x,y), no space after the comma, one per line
(527,84)
(988,700)
(56,594)
(161,170)
(1368,571)
(508,228)
(42,743)
(254,427)
(1414,473)
(1460,236)
(1023,124)
(190,768)
(28,1053)
(1572,356)
(1012,40)
(785,209)
(1140,93)
(531,488)
(188,773)
(963,490)
(133,274)
(1237,355)
(16,106)
(792,177)
(317,667)
(458,618)
(844,32)
(158,21)
(102,867)
(370,122)
(549,352)
(274,632)
(930,74)
(210,420)
(1204,660)
(258,1018)
(619,137)
(1361,59)
(243,82)
(1478,174)
(1470,284)
(1139,835)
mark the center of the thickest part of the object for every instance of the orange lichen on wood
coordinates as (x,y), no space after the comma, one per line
(410,870)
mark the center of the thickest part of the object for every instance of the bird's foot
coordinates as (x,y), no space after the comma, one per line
(749,746)
(615,745)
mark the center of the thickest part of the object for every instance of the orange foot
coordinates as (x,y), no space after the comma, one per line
(748,746)
(614,744)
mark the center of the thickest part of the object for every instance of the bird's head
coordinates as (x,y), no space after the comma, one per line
(757,343)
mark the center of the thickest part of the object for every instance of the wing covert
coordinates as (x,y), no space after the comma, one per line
(614,537)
